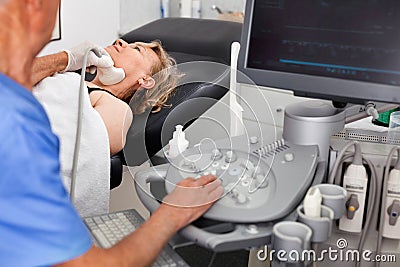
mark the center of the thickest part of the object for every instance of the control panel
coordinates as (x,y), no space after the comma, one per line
(261,185)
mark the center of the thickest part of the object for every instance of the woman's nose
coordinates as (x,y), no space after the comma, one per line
(121,43)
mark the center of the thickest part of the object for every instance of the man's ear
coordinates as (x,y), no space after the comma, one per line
(148,82)
(36,15)
(33,5)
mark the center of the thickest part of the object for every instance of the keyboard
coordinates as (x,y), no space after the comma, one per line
(108,229)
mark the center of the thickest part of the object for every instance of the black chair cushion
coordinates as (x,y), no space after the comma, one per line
(200,37)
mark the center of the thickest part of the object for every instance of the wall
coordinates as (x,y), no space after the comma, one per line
(224,5)
(93,20)
(100,21)
(135,13)
(207,12)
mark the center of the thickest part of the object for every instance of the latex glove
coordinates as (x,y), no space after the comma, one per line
(77,53)
(192,197)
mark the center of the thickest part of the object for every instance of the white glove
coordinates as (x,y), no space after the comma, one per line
(77,53)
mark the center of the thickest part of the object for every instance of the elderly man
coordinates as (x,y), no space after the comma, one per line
(38,224)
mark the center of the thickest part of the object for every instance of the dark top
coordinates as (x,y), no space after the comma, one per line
(91,89)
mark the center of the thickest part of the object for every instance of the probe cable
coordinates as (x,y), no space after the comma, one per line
(79,122)
(384,190)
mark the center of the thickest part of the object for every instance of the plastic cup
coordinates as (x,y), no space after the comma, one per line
(334,197)
(321,226)
(291,236)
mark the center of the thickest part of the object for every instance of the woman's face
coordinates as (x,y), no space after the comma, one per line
(136,60)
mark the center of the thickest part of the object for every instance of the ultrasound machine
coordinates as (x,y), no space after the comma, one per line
(314,185)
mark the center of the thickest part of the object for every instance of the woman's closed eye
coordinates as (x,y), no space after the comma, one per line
(137,48)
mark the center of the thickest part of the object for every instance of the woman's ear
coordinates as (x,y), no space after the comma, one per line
(148,82)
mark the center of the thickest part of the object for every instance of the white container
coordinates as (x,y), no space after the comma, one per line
(394,128)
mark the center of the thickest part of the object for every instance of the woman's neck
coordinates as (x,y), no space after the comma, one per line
(119,90)
(110,88)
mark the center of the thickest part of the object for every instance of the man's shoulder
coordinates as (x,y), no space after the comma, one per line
(14,98)
(22,117)
(20,111)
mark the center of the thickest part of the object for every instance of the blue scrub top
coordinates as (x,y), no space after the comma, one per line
(38,224)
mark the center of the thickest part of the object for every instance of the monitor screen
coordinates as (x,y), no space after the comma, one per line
(343,50)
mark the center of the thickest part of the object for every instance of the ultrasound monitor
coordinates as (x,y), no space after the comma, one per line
(342,50)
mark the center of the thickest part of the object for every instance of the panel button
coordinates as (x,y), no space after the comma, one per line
(289,157)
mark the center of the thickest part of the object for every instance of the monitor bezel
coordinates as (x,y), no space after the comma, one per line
(335,89)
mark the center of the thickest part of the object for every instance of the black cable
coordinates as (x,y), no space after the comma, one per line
(212,259)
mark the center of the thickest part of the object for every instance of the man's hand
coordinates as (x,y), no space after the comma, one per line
(77,53)
(189,200)
(192,197)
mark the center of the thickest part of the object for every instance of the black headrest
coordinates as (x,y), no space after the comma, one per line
(188,39)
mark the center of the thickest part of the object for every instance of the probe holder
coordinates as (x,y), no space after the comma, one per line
(291,236)
(312,123)
(333,197)
(321,226)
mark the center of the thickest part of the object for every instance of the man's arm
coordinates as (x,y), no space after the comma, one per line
(67,60)
(143,246)
(48,65)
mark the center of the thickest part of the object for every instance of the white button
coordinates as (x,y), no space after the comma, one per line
(253,140)
(225,166)
(241,198)
(252,229)
(245,183)
(289,157)
(235,171)
(216,154)
(215,164)
(230,156)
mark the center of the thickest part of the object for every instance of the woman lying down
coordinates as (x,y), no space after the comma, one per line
(149,71)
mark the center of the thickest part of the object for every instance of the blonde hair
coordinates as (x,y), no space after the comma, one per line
(166,76)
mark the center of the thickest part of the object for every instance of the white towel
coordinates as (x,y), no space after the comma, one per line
(59,96)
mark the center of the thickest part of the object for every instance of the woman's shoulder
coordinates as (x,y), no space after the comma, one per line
(106,101)
(97,93)
(107,98)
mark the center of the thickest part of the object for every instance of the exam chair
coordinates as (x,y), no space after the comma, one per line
(187,40)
